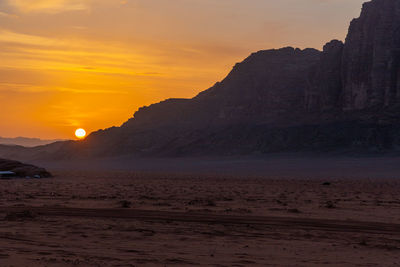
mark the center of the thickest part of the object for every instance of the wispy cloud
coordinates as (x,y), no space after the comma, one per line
(31,88)
(7,15)
(26,51)
(77,55)
(19,38)
(49,6)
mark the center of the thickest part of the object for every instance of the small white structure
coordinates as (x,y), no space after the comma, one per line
(7,174)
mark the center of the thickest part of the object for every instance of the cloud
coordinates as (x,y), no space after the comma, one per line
(28,51)
(18,38)
(7,15)
(31,88)
(77,55)
(49,6)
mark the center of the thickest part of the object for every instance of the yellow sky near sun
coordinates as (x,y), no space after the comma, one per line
(53,6)
(66,64)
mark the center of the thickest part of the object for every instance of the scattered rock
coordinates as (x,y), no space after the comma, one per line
(202,202)
(211,203)
(125,204)
(330,205)
(294,211)
(20,216)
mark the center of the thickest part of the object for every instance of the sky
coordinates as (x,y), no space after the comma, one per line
(68,64)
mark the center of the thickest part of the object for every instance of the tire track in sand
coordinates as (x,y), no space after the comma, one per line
(268,221)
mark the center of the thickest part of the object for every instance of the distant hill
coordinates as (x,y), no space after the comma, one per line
(344,98)
(23,170)
(26,142)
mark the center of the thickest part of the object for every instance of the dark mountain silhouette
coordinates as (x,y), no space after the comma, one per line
(27,142)
(344,98)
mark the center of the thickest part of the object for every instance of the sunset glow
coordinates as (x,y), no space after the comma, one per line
(66,63)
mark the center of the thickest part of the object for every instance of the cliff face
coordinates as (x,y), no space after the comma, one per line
(371,57)
(324,92)
(364,72)
(265,87)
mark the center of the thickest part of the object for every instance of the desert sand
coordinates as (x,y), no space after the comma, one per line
(143,218)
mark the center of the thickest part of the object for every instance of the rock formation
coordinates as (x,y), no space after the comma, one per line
(324,92)
(371,57)
(23,170)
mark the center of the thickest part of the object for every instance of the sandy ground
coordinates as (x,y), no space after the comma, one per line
(130,218)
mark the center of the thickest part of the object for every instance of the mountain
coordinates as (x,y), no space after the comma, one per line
(345,98)
(26,142)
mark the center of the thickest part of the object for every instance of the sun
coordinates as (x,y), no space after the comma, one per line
(80,133)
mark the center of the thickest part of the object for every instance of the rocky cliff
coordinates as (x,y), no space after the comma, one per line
(324,92)
(371,57)
(343,98)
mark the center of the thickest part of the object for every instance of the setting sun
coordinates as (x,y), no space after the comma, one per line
(80,133)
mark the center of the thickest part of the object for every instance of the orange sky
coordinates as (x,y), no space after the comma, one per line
(66,64)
